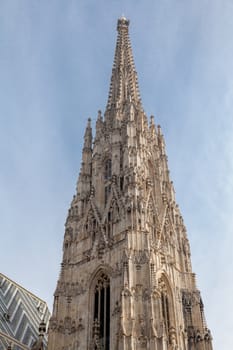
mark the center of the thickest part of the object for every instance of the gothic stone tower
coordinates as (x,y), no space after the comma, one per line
(126,281)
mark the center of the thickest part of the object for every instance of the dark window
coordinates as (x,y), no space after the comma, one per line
(121,159)
(101,326)
(106,194)
(108,169)
(121,183)
(165,311)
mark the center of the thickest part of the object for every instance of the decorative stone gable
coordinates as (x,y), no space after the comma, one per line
(126,279)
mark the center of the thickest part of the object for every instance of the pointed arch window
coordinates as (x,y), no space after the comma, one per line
(108,169)
(165,311)
(101,322)
(107,191)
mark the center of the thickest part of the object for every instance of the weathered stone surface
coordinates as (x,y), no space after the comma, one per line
(125,236)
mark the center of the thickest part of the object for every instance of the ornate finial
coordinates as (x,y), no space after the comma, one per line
(122,23)
(38,345)
(99,115)
(42,328)
(88,135)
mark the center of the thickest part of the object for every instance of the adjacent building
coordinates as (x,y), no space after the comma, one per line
(21,313)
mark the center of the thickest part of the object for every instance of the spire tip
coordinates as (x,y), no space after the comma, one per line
(89,122)
(99,114)
(122,23)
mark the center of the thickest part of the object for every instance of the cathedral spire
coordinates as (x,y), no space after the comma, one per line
(124,81)
(126,280)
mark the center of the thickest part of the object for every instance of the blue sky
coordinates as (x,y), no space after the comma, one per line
(55,64)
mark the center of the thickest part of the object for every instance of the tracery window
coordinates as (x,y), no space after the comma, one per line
(121,183)
(166,308)
(165,311)
(108,169)
(121,159)
(101,324)
(107,191)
